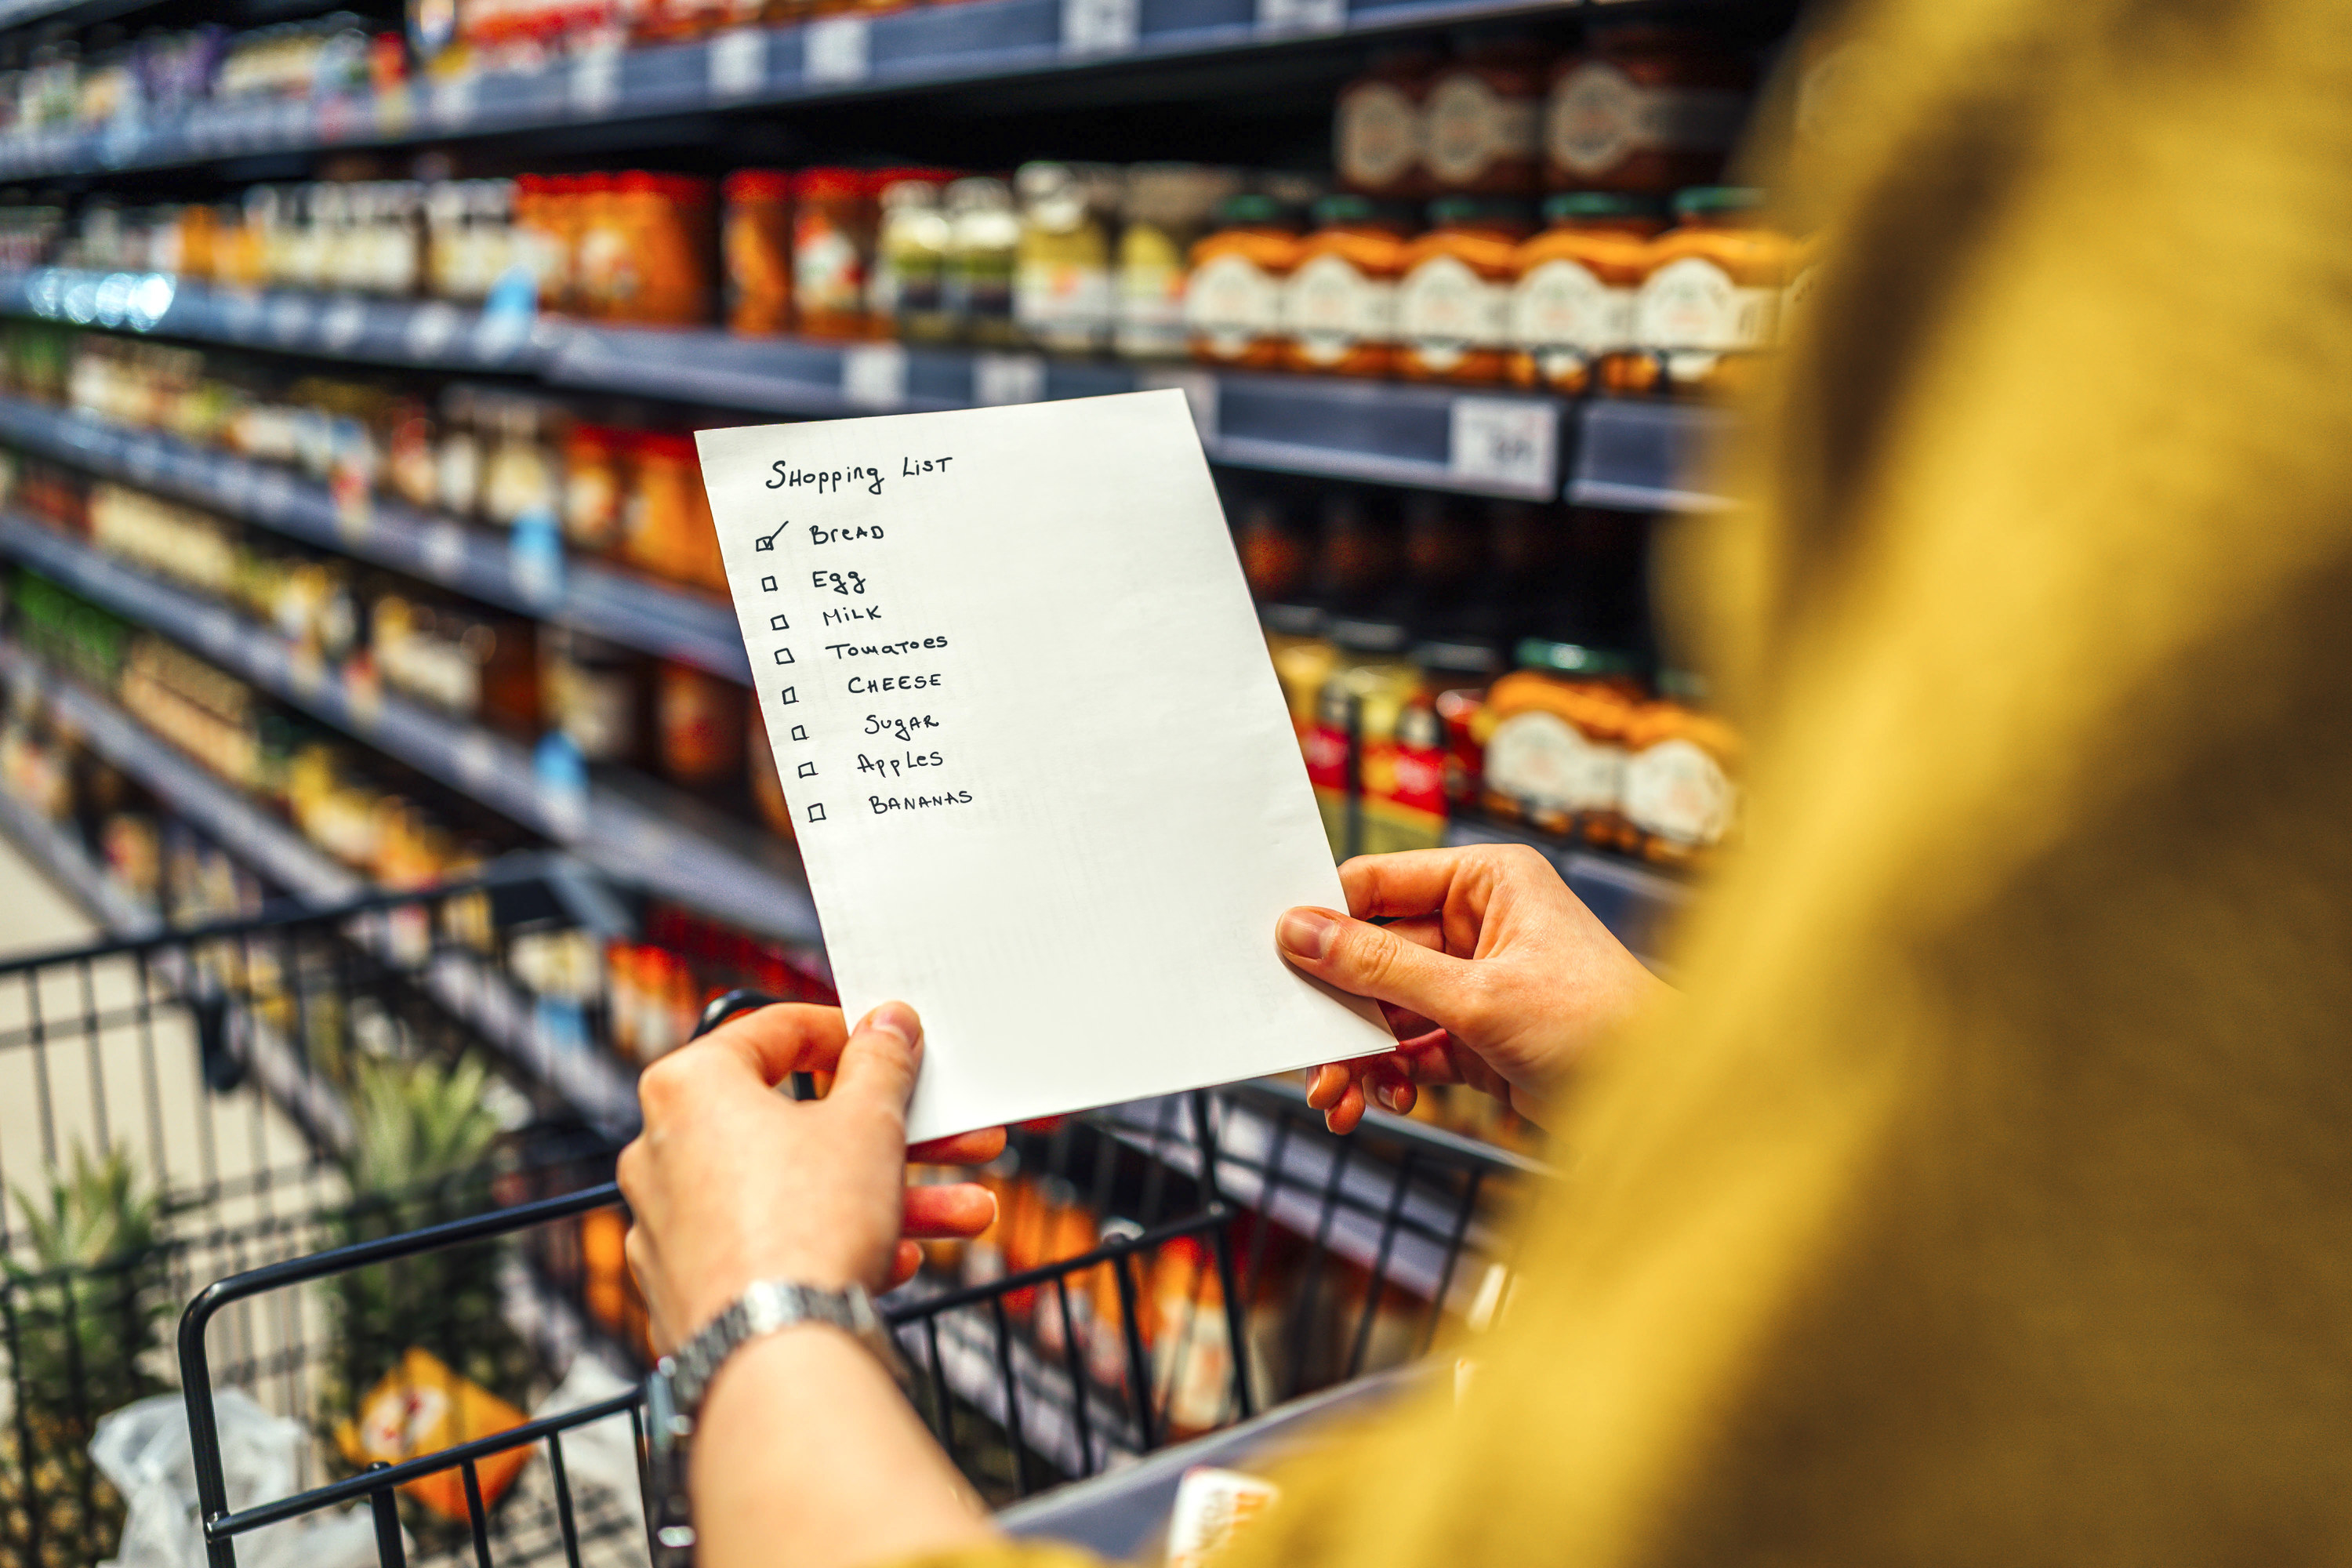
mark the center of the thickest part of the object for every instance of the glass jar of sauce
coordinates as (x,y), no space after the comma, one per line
(984,239)
(1480,119)
(833,251)
(1454,302)
(1572,303)
(1376,133)
(1555,742)
(1706,311)
(1233,301)
(1642,108)
(758,242)
(908,289)
(1339,304)
(1680,794)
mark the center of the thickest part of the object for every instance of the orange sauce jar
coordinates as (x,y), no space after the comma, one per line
(1453,303)
(757,248)
(1339,305)
(1681,795)
(600,249)
(664,278)
(833,221)
(1555,740)
(1643,108)
(1572,302)
(1480,119)
(1233,301)
(1707,309)
(669,532)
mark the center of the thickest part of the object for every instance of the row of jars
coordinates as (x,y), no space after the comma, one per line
(1606,297)
(1640,106)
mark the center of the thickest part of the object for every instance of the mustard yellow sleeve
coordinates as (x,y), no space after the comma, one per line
(1988,1204)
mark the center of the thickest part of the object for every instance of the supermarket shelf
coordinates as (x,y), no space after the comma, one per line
(597,1088)
(1633,902)
(1636,455)
(830,57)
(670,622)
(638,838)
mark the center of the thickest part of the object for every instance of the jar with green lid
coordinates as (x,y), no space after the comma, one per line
(983,241)
(1555,740)
(1454,302)
(1572,301)
(1233,301)
(1681,781)
(1705,312)
(1339,307)
(1062,296)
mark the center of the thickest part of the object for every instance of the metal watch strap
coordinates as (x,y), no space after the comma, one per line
(674,1392)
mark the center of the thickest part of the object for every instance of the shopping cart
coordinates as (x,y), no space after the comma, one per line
(1157,1272)
(184,1106)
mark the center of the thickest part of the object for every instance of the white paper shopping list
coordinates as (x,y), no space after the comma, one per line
(1044,781)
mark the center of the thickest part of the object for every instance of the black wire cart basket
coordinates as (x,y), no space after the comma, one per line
(193,1104)
(1157,1272)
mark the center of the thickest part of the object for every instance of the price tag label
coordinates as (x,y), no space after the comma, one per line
(998,379)
(1505,444)
(342,323)
(739,63)
(430,329)
(874,375)
(1199,390)
(833,49)
(595,82)
(445,551)
(452,101)
(1291,17)
(1099,27)
(289,318)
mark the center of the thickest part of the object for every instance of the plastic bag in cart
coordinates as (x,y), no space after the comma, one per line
(145,1449)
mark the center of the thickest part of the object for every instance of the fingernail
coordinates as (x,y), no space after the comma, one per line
(1387,1096)
(897,1018)
(1306,933)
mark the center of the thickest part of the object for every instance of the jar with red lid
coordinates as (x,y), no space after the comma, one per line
(1233,301)
(834,220)
(1376,131)
(1707,311)
(1453,303)
(1339,305)
(665,276)
(757,248)
(1572,302)
(1480,119)
(600,247)
(1642,108)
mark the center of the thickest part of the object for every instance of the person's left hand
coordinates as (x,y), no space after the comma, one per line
(731,1182)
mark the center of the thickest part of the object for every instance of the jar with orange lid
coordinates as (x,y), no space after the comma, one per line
(1572,304)
(1454,302)
(600,247)
(1480,119)
(1706,311)
(1376,131)
(669,529)
(1681,791)
(834,220)
(756,245)
(1642,108)
(663,278)
(1555,738)
(1233,301)
(1339,304)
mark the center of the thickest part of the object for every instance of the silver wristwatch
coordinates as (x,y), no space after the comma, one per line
(675,1389)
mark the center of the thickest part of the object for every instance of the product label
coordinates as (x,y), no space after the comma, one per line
(827,272)
(1329,307)
(1548,763)
(1444,309)
(1378,134)
(1232,303)
(1062,297)
(1598,117)
(1561,305)
(1467,126)
(1677,792)
(1693,304)
(1150,308)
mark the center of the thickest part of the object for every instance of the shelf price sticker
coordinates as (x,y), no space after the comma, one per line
(1291,17)
(595,83)
(739,63)
(833,49)
(289,318)
(874,375)
(453,101)
(1000,379)
(340,326)
(1510,443)
(1099,27)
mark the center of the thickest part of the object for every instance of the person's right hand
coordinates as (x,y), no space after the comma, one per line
(1490,971)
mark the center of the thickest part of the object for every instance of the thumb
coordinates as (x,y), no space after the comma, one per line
(877,1066)
(1370,960)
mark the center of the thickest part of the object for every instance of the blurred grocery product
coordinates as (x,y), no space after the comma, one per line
(1643,107)
(1708,305)
(1062,294)
(1572,302)
(1479,131)
(1233,301)
(1168,208)
(1339,303)
(1454,302)
(835,217)
(983,251)
(1376,137)
(908,289)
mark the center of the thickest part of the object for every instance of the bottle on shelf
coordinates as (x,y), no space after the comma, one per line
(983,248)
(1376,136)
(1479,118)
(757,244)
(1062,298)
(1642,108)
